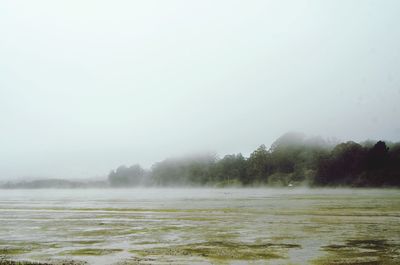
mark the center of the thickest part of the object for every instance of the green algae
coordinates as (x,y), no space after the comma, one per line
(87,242)
(222,250)
(12,262)
(361,252)
(91,251)
(13,251)
(194,219)
(4,261)
(168,236)
(15,248)
(100,232)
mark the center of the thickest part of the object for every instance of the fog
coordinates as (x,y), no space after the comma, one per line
(86,86)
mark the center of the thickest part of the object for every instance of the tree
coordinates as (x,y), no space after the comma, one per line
(378,156)
(126,176)
(343,165)
(230,169)
(258,164)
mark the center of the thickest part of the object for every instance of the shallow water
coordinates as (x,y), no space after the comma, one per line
(202,226)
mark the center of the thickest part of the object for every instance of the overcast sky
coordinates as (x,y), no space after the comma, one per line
(86,86)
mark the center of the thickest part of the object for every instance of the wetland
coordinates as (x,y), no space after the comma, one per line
(200,226)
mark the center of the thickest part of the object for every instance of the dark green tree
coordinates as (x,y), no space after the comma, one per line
(258,166)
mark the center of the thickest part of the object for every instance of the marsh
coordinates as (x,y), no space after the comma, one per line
(201,226)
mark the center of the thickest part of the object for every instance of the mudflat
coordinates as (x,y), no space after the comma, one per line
(200,226)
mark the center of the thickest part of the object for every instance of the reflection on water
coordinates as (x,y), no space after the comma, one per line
(202,226)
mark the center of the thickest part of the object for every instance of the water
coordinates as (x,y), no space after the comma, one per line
(202,226)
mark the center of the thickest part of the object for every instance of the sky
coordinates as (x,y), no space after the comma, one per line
(86,86)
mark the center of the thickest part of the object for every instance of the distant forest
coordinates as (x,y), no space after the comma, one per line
(292,160)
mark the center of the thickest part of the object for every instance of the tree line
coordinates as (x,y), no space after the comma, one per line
(292,159)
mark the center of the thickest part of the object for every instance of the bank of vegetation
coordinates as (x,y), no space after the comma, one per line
(291,160)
